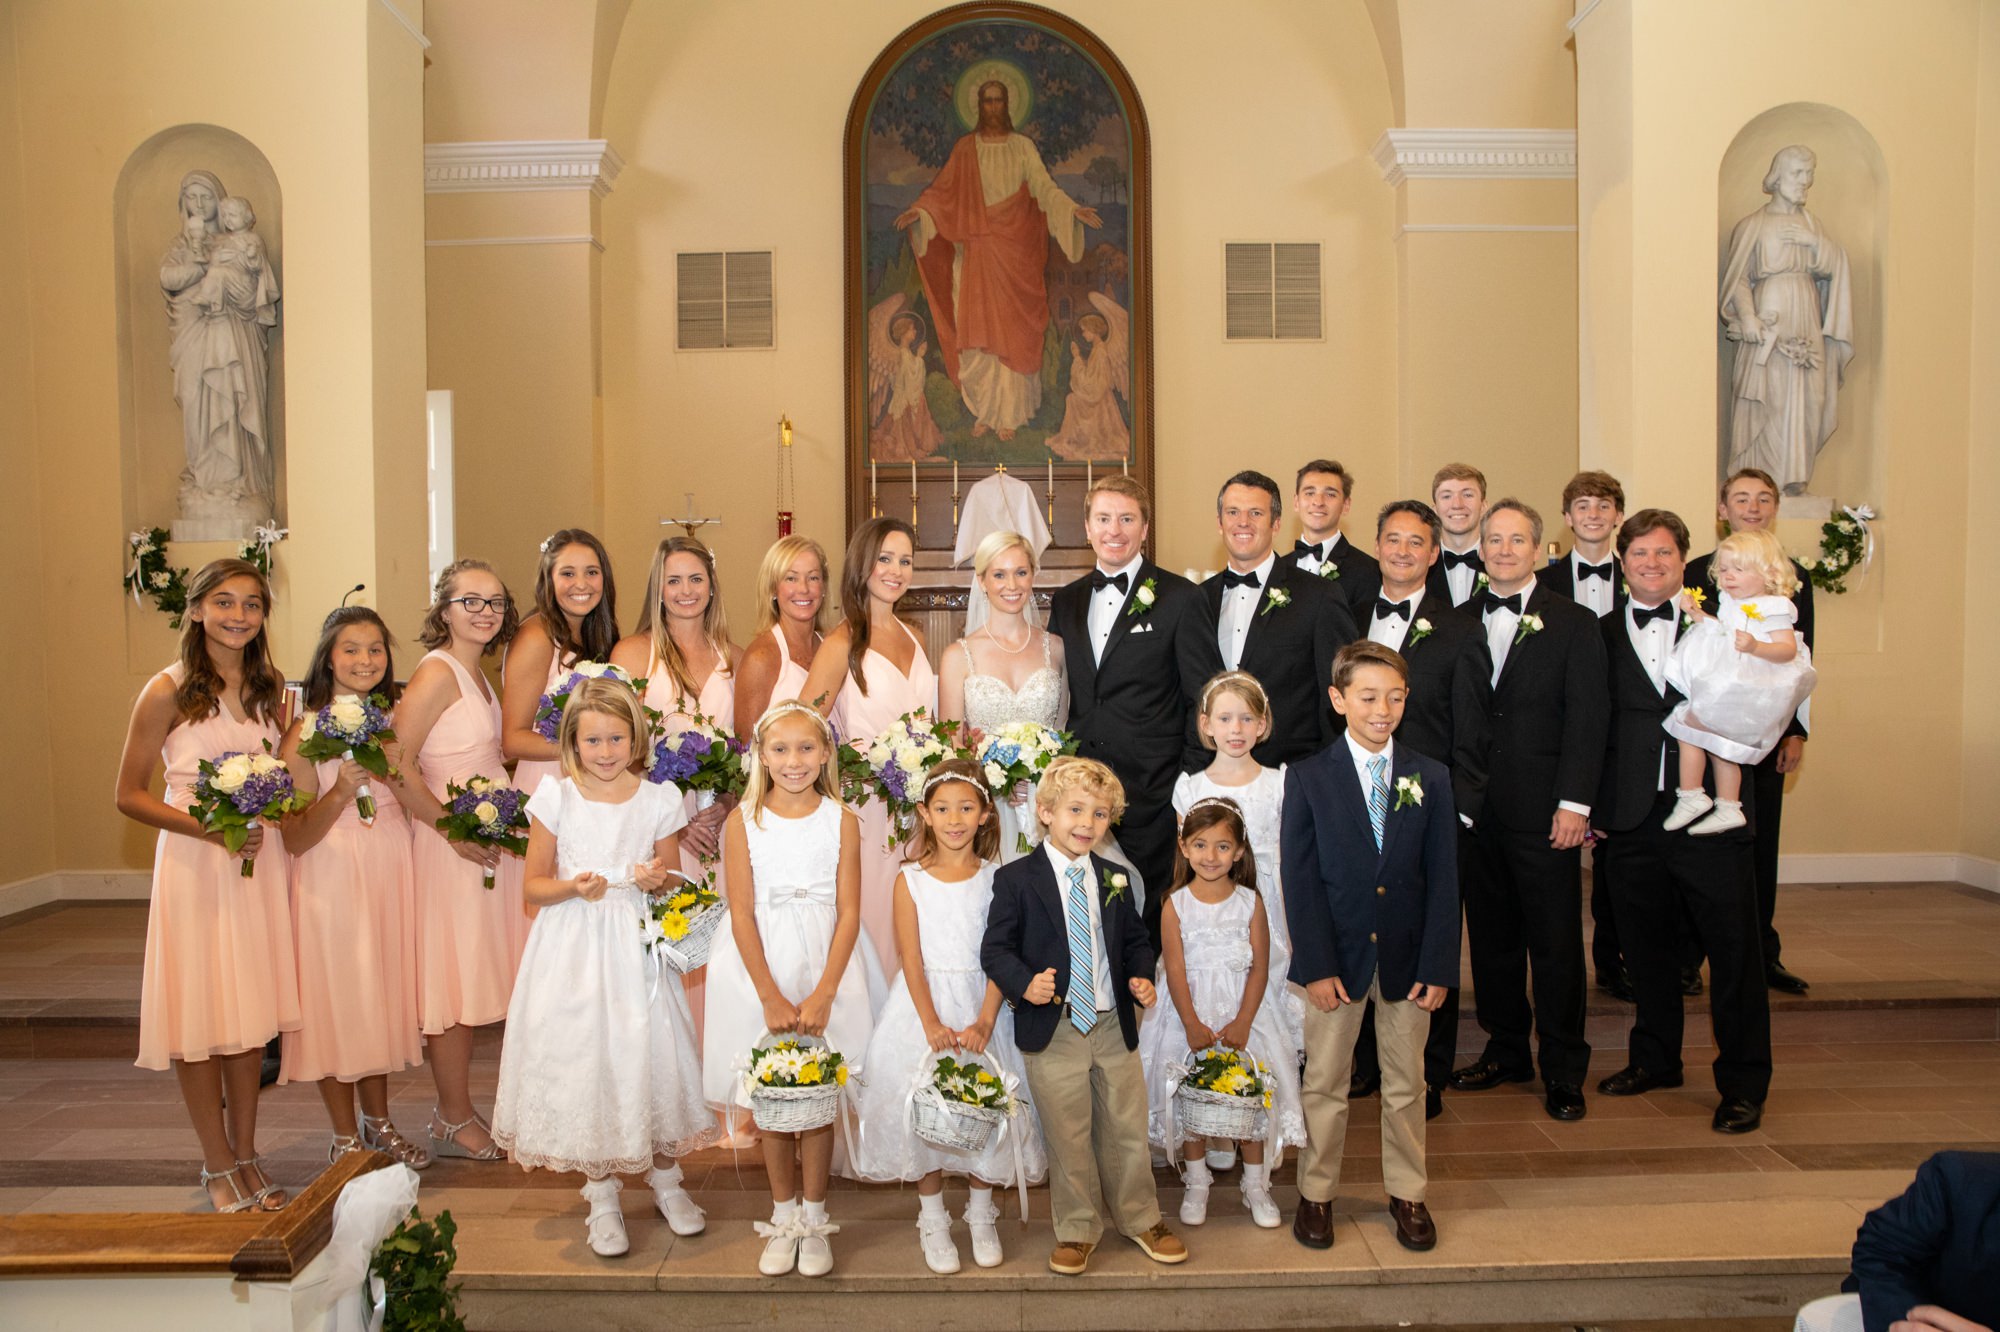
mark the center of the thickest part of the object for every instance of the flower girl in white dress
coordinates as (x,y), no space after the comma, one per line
(943,1004)
(600,1073)
(791,854)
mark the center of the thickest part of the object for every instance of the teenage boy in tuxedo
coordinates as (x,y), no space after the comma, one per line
(1523,876)
(1070,954)
(1139,644)
(1458,493)
(1593,507)
(1658,878)
(1275,620)
(1749,499)
(1370,851)
(1322,493)
(1451,692)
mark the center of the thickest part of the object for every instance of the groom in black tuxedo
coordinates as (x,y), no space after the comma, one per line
(1276,621)
(1138,644)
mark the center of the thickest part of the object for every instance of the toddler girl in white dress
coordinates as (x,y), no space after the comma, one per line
(600,1073)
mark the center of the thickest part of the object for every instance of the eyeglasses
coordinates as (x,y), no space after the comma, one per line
(475,605)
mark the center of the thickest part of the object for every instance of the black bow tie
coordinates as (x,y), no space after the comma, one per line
(1384,608)
(1603,571)
(1308,548)
(1495,602)
(1099,580)
(1453,559)
(1663,611)
(1230,578)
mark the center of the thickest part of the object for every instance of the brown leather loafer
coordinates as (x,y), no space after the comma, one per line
(1162,1245)
(1071,1257)
(1313,1226)
(1414,1227)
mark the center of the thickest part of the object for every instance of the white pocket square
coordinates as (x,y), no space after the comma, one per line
(1142,628)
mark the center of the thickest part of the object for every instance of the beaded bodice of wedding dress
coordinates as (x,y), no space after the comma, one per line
(990,703)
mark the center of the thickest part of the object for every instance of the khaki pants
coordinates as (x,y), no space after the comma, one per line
(1400,1029)
(1090,1095)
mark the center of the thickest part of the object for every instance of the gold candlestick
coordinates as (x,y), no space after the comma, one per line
(913,492)
(954,492)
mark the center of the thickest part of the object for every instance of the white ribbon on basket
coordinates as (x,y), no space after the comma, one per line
(1272,1143)
(841,1109)
(924,1083)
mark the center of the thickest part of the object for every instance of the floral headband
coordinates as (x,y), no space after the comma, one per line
(937,779)
(788,708)
(1224,801)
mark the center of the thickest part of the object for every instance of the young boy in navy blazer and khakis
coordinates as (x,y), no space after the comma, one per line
(1369,844)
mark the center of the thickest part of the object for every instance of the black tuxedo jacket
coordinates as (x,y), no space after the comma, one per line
(1353,909)
(1360,577)
(1027,932)
(1135,711)
(1559,576)
(1290,649)
(1551,708)
(1437,584)
(1802,605)
(1630,784)
(1451,695)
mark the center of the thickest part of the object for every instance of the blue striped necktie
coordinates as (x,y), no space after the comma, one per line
(1082,959)
(1378,795)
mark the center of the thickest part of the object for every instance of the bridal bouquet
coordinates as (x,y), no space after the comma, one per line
(901,757)
(703,758)
(352,728)
(549,711)
(236,790)
(486,813)
(1019,752)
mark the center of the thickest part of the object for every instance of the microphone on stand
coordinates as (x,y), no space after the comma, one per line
(358,587)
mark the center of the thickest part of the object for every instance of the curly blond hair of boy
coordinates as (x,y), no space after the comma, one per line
(1071,774)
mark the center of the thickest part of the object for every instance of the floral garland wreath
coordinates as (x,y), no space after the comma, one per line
(150,575)
(1846,546)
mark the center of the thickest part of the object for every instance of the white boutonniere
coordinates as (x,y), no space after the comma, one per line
(1115,884)
(1409,791)
(1480,580)
(1276,599)
(1142,600)
(1418,633)
(1328,569)
(1530,624)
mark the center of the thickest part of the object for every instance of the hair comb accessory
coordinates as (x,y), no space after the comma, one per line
(1223,801)
(790,707)
(547,543)
(937,779)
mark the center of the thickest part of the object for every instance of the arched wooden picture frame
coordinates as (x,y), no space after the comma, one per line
(1016,332)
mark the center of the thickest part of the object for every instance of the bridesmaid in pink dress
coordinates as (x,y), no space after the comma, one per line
(219,980)
(354,908)
(682,639)
(791,588)
(575,619)
(871,670)
(469,937)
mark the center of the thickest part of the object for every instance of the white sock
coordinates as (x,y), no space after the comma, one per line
(1197,1172)
(781,1212)
(602,1194)
(1253,1176)
(1695,794)
(1729,804)
(981,1197)
(815,1212)
(665,1179)
(928,1204)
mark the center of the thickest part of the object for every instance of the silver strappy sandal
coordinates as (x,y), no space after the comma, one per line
(446,1143)
(381,1135)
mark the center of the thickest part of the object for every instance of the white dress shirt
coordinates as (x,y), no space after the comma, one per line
(1392,631)
(1461,578)
(1654,643)
(1501,626)
(1100,966)
(1595,595)
(1107,602)
(1362,758)
(1321,555)
(1239,607)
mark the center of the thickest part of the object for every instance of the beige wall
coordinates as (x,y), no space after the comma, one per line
(1979,724)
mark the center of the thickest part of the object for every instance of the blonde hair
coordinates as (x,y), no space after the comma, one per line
(1071,774)
(1758,550)
(1242,684)
(667,654)
(757,778)
(986,841)
(997,544)
(777,562)
(608,696)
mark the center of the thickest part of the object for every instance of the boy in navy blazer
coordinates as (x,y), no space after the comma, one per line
(1369,845)
(1067,947)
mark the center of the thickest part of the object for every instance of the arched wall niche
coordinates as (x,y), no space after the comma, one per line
(1850,196)
(145,217)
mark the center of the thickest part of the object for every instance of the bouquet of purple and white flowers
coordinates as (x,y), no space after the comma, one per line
(353,728)
(486,813)
(901,757)
(549,711)
(236,790)
(703,757)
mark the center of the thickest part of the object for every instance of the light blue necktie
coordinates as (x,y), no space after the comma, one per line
(1378,795)
(1082,963)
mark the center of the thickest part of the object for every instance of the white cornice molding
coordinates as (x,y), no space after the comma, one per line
(521,164)
(518,240)
(1476,154)
(409,26)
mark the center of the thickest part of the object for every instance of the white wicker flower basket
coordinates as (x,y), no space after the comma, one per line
(1207,1114)
(794,1109)
(953,1125)
(690,951)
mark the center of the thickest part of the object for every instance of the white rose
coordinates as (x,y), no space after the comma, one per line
(995,774)
(348,713)
(309,726)
(233,772)
(486,811)
(1145,595)
(261,764)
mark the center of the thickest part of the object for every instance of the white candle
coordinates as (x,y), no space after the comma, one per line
(1052,474)
(1123,470)
(874,482)
(954,476)
(1087,478)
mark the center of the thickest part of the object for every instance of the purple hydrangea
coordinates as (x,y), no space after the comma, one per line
(677,758)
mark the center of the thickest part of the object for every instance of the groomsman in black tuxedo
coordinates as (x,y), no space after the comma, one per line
(1458,493)
(1276,621)
(1593,507)
(1322,495)
(1523,880)
(1749,499)
(1445,719)
(1139,643)
(1660,877)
